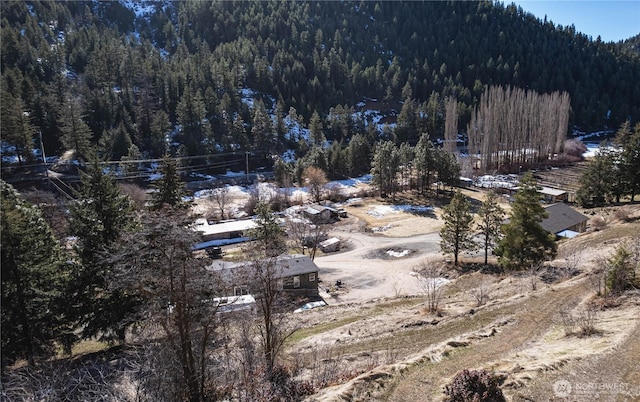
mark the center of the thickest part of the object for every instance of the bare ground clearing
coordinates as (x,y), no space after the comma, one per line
(408,355)
(376,323)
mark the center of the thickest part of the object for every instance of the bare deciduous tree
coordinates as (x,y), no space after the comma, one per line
(429,274)
(481,294)
(222,198)
(316,179)
(298,230)
(451,125)
(173,287)
(572,254)
(514,127)
(317,235)
(265,275)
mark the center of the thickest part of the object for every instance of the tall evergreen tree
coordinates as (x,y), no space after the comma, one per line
(384,169)
(267,234)
(99,218)
(490,217)
(447,167)
(629,166)
(424,163)
(596,183)
(196,130)
(76,133)
(32,281)
(17,129)
(264,139)
(169,186)
(525,242)
(359,155)
(456,235)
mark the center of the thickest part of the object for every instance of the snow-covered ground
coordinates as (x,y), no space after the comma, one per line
(380,211)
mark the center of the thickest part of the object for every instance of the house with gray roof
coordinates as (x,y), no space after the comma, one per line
(295,274)
(564,221)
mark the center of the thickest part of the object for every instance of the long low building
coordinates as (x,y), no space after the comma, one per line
(223,230)
(294,273)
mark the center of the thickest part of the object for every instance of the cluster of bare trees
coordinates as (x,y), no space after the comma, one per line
(512,127)
(451,125)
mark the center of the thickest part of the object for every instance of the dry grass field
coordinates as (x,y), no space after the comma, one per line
(386,347)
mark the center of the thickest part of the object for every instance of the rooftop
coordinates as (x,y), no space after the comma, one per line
(203,226)
(561,217)
(288,264)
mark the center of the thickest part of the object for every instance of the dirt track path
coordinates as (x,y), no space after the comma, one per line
(617,371)
(529,317)
(534,315)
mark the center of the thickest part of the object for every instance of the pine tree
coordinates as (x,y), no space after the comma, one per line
(262,129)
(359,155)
(629,166)
(196,130)
(169,186)
(384,169)
(447,167)
(17,129)
(315,130)
(525,242)
(32,281)
(76,135)
(490,217)
(267,234)
(424,163)
(99,218)
(597,181)
(456,235)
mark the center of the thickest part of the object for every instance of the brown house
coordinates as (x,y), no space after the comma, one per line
(295,274)
(564,221)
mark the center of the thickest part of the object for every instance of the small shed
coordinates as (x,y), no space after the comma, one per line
(563,218)
(553,195)
(330,245)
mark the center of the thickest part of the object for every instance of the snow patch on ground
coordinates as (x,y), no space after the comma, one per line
(398,254)
(497,181)
(379,211)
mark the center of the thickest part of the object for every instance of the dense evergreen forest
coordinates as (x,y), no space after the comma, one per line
(136,79)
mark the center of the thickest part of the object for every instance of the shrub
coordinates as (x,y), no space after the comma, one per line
(574,149)
(623,215)
(474,386)
(619,272)
(481,294)
(598,222)
(583,323)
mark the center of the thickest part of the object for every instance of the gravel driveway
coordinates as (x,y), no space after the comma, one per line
(367,272)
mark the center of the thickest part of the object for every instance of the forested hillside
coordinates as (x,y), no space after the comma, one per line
(133,80)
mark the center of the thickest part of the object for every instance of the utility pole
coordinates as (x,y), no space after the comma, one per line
(44,159)
(246,153)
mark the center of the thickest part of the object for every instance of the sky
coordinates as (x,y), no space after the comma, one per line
(613,20)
